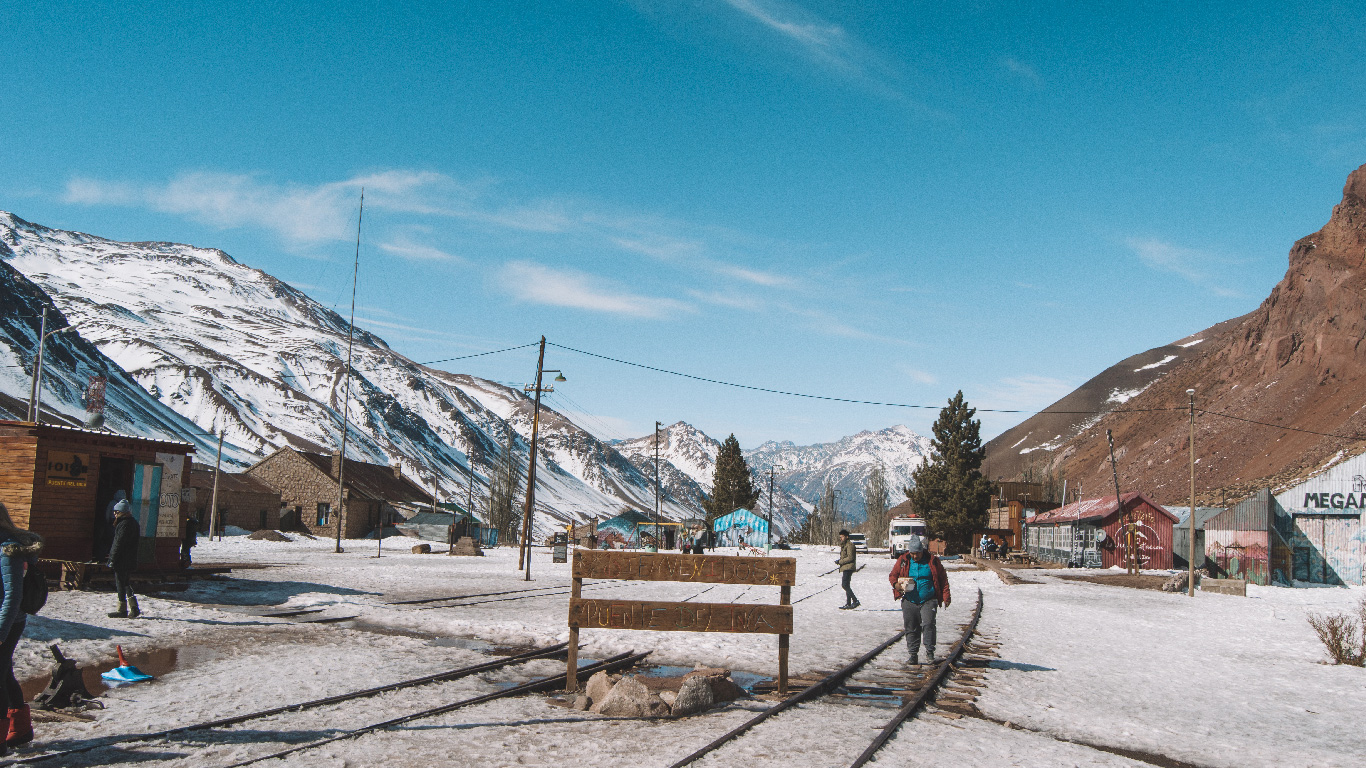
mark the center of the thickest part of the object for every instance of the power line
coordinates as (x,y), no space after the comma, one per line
(845,399)
(1280,426)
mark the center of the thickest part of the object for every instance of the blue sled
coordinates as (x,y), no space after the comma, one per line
(126,675)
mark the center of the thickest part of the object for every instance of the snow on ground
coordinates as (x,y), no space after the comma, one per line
(1214,681)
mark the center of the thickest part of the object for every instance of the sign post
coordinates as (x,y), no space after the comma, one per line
(682,616)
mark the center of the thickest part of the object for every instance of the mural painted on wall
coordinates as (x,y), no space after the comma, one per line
(1326,549)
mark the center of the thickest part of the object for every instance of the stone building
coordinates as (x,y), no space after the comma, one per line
(307,484)
(243,500)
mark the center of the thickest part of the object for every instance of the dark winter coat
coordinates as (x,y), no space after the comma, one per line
(123,554)
(17,554)
(848,554)
(938,575)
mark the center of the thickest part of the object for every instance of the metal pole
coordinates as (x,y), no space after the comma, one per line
(1129,559)
(531,469)
(768,534)
(1190,574)
(37,370)
(657,537)
(213,498)
(346,398)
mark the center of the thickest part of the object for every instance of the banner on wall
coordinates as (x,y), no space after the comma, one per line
(172,475)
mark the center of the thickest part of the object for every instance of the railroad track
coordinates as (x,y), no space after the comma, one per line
(915,689)
(172,734)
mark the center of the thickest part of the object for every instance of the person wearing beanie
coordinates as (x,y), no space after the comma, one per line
(19,551)
(123,558)
(848,556)
(920,582)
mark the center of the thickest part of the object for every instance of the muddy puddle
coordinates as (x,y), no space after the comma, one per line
(157,663)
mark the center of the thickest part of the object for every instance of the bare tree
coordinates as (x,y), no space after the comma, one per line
(876,503)
(502,499)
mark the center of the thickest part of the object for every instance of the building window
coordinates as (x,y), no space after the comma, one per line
(324,510)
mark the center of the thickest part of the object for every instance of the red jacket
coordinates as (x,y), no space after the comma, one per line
(938,576)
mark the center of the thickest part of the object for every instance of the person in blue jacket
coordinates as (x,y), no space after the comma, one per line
(18,552)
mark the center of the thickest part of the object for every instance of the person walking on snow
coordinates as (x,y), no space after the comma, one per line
(123,558)
(18,553)
(921,584)
(848,554)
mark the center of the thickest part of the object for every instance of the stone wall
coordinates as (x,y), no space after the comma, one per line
(303,487)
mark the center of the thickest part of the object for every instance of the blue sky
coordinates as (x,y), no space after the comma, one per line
(884,201)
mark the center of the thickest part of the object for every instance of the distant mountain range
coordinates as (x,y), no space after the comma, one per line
(195,343)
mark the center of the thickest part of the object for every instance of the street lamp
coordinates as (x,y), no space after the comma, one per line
(524,555)
(36,392)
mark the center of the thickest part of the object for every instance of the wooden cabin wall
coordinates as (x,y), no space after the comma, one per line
(18,463)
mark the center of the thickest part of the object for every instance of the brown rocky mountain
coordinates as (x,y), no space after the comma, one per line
(1296,364)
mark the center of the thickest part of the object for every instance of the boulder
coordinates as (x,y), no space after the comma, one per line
(694,696)
(580,703)
(599,685)
(1177,583)
(722,687)
(668,697)
(422,549)
(630,698)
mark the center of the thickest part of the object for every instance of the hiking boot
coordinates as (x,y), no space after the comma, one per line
(20,727)
(123,614)
(133,611)
(855,604)
(913,661)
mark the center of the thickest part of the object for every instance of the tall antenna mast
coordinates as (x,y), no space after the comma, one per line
(346,398)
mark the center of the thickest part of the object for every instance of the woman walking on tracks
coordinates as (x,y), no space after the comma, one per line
(921,584)
(18,553)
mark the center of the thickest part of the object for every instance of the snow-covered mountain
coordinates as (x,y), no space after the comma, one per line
(231,348)
(846,463)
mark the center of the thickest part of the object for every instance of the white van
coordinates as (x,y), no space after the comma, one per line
(860,542)
(901,530)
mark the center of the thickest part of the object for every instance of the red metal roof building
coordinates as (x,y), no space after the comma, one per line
(1090,532)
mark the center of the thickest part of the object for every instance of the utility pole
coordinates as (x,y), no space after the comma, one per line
(1130,561)
(1190,560)
(768,536)
(213,498)
(658,538)
(37,370)
(346,398)
(524,556)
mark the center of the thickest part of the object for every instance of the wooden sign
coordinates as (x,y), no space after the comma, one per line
(705,569)
(780,572)
(560,548)
(680,617)
(67,470)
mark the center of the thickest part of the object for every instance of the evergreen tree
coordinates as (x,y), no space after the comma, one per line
(731,484)
(950,491)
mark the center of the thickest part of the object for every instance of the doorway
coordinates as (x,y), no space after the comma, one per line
(115,475)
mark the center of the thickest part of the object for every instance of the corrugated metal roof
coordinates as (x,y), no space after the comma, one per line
(1091,509)
(97,433)
(1250,514)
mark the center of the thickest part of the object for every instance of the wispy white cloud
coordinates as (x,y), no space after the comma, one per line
(540,284)
(1022,70)
(917,375)
(1190,263)
(412,251)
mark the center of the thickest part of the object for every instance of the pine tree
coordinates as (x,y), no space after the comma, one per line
(731,484)
(950,491)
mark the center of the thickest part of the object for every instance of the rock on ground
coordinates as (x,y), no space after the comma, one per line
(630,698)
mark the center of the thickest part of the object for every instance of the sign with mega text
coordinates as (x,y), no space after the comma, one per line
(67,470)
(706,569)
(680,617)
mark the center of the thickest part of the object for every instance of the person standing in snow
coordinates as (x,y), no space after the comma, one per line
(106,525)
(123,558)
(920,582)
(848,556)
(188,543)
(18,552)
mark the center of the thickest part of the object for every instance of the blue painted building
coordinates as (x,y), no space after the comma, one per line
(740,525)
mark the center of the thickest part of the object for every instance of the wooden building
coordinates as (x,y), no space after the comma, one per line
(1012,504)
(60,482)
(1091,532)
(307,484)
(243,500)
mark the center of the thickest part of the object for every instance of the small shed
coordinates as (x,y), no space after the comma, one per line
(60,482)
(622,531)
(1243,541)
(1181,535)
(1091,532)
(742,525)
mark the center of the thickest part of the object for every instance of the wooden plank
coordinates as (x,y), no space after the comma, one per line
(681,617)
(705,569)
(571,680)
(785,598)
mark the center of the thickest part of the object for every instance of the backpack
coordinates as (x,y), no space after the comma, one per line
(35,591)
